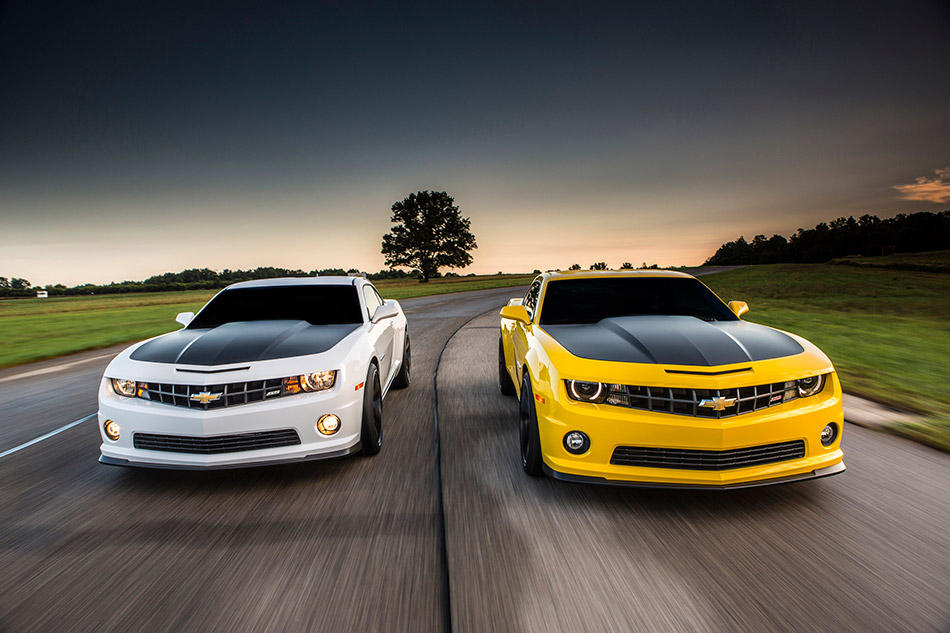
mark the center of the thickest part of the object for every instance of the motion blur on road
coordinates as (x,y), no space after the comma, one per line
(354,544)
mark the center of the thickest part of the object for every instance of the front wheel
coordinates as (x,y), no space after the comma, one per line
(528,427)
(371,427)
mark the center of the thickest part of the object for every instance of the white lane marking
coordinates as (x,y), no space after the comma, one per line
(56,368)
(48,435)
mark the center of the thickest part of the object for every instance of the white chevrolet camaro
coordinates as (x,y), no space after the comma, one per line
(269,371)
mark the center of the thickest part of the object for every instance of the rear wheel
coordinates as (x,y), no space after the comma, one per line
(528,427)
(371,427)
(504,380)
(402,379)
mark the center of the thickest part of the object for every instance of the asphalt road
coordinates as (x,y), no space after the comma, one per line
(352,544)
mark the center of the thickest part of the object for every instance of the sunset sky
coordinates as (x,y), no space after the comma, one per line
(138,140)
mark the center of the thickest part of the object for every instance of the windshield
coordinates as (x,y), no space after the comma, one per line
(317,305)
(569,301)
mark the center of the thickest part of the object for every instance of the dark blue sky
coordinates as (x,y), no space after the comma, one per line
(135,140)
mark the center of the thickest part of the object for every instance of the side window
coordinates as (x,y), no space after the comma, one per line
(372,300)
(531,299)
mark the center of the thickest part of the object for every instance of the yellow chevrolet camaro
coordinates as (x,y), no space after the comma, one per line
(647,377)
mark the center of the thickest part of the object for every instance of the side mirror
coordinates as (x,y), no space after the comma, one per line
(185,318)
(739,307)
(385,311)
(516,313)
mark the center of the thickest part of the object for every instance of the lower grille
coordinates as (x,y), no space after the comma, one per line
(215,444)
(649,457)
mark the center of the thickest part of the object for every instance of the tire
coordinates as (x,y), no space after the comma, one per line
(371,427)
(528,430)
(403,378)
(504,380)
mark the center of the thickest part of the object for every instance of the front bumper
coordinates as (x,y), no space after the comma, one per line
(299,412)
(609,427)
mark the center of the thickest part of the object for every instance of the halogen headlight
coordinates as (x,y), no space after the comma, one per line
(582,391)
(318,381)
(810,386)
(123,387)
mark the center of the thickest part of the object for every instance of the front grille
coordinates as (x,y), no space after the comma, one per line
(687,401)
(649,457)
(215,444)
(225,395)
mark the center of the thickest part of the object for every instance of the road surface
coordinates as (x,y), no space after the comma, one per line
(353,544)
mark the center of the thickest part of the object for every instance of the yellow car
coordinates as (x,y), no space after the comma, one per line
(648,378)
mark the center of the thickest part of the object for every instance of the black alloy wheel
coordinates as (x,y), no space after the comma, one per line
(371,427)
(403,378)
(528,430)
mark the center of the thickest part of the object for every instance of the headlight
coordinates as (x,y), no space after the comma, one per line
(318,381)
(810,386)
(123,387)
(582,391)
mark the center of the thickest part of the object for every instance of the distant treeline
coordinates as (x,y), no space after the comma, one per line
(191,279)
(868,236)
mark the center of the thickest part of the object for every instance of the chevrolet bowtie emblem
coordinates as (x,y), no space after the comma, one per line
(716,404)
(206,396)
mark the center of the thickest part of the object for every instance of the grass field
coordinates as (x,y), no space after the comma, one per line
(887,331)
(36,329)
(932,261)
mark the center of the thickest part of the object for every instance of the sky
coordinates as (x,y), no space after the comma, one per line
(137,140)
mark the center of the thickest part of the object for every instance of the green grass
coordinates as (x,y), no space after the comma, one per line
(887,331)
(931,261)
(36,329)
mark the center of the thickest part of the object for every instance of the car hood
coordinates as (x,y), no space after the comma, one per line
(242,342)
(673,340)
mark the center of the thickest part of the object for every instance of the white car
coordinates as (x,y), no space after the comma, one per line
(269,371)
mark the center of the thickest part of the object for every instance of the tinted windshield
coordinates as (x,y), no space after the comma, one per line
(590,300)
(318,305)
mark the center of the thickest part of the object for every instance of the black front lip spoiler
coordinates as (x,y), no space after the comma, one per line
(583,479)
(113,461)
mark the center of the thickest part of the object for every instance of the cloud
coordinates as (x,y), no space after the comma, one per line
(936,189)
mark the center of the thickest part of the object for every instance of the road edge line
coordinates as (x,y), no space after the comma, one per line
(39,439)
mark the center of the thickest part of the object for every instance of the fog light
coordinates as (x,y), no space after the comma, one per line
(829,434)
(576,442)
(328,424)
(112,429)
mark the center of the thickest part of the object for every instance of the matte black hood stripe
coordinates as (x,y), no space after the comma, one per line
(673,340)
(242,342)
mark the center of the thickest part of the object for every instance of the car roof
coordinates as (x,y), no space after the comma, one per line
(298,281)
(596,274)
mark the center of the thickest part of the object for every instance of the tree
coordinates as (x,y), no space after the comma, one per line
(599,266)
(626,266)
(19,284)
(575,267)
(428,233)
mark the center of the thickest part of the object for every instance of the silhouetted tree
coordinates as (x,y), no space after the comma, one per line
(626,266)
(575,267)
(429,233)
(867,236)
(599,266)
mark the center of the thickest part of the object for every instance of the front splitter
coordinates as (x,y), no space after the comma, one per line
(827,471)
